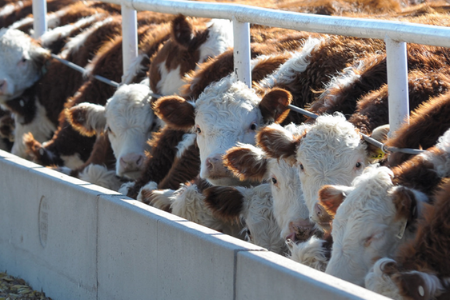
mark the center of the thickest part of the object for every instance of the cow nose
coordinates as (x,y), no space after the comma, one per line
(132,161)
(3,86)
(213,162)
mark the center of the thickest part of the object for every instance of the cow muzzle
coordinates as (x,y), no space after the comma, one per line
(215,167)
(130,164)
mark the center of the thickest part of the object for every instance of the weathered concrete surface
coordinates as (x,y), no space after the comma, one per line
(75,240)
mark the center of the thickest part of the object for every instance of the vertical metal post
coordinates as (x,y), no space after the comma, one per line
(129,36)
(397,75)
(39,17)
(241,33)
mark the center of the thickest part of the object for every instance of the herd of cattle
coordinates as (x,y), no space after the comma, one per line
(181,133)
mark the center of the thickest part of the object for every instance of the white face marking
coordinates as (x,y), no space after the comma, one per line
(18,56)
(226,113)
(364,227)
(129,119)
(331,152)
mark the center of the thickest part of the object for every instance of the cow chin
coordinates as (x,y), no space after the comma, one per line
(133,175)
(224,180)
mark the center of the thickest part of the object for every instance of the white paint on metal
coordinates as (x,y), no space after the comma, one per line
(241,32)
(397,75)
(129,36)
(40,17)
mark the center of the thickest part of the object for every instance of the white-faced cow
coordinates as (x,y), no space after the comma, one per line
(381,209)
(331,151)
(127,119)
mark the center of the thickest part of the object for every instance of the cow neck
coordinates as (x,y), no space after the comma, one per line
(24,106)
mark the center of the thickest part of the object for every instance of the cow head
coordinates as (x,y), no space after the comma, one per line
(331,151)
(127,119)
(371,222)
(387,279)
(251,163)
(22,62)
(254,207)
(191,43)
(227,112)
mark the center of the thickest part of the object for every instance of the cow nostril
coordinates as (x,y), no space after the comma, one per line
(139,161)
(209,164)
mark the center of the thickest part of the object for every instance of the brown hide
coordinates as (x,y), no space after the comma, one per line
(427,123)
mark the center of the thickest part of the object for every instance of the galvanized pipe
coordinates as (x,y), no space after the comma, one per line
(241,34)
(129,36)
(397,76)
(39,17)
(363,28)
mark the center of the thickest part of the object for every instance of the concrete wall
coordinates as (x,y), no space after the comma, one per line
(75,240)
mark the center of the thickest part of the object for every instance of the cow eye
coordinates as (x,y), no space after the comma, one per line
(108,130)
(301,167)
(274,180)
(358,165)
(198,130)
(253,126)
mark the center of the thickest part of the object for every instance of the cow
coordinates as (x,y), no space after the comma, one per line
(38,102)
(399,195)
(150,42)
(68,147)
(248,162)
(331,151)
(128,121)
(189,202)
(294,76)
(252,205)
(175,155)
(421,266)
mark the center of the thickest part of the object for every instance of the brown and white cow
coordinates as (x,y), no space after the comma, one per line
(360,236)
(127,119)
(167,165)
(189,202)
(67,146)
(252,205)
(331,151)
(421,267)
(150,40)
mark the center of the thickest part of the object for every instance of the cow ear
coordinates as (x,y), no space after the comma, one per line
(331,197)
(246,162)
(87,118)
(278,142)
(182,31)
(417,285)
(226,202)
(274,105)
(176,112)
(405,204)
(380,134)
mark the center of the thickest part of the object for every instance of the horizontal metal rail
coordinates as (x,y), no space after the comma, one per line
(98,77)
(367,138)
(362,28)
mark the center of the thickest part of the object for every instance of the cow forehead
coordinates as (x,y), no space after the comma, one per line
(130,104)
(370,200)
(227,92)
(13,43)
